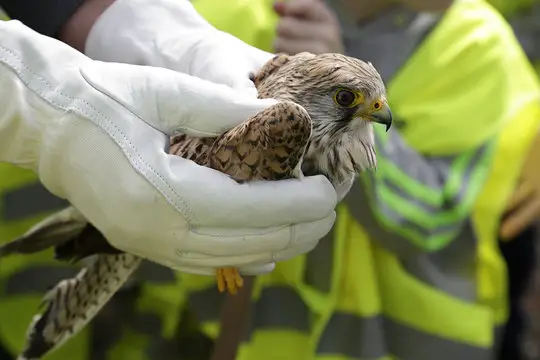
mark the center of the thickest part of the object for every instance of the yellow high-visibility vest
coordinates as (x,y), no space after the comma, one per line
(466,91)
(352,298)
(524,17)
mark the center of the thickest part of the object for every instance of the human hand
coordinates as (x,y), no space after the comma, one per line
(523,207)
(307,25)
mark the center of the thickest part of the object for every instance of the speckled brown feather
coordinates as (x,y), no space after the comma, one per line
(269,146)
(72,303)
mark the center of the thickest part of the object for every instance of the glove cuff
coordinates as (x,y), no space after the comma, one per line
(143,32)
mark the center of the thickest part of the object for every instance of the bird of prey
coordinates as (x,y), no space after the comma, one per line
(322,124)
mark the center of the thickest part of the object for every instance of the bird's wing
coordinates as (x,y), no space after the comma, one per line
(268,146)
(191,148)
(90,241)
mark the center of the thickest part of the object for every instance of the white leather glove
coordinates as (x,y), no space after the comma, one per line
(93,133)
(171,34)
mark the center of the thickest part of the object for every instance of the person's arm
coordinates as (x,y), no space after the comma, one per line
(96,135)
(173,35)
(74,31)
(67,20)
(163,33)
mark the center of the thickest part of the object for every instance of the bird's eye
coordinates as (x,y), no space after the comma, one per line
(345,98)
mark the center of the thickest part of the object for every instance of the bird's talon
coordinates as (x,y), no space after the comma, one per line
(239,281)
(230,279)
(220,281)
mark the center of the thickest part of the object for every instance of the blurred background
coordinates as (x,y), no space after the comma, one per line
(462,70)
(531,302)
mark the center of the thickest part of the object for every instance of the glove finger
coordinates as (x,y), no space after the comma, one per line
(216,200)
(173,102)
(201,260)
(257,269)
(343,189)
(244,86)
(260,269)
(240,76)
(231,71)
(293,252)
(308,235)
(301,246)
(250,242)
(196,270)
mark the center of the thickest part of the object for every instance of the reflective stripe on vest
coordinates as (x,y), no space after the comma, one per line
(29,200)
(368,338)
(345,334)
(434,181)
(349,335)
(121,313)
(36,279)
(398,233)
(526,26)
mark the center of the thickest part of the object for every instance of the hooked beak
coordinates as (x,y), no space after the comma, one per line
(382,116)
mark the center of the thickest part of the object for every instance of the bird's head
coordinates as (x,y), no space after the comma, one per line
(344,97)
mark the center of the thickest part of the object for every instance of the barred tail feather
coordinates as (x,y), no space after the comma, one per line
(52,231)
(72,303)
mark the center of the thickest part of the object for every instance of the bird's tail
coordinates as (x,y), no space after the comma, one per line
(72,303)
(52,231)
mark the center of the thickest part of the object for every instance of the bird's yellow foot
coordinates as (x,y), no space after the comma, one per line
(230,279)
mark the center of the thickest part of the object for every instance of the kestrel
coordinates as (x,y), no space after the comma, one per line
(322,124)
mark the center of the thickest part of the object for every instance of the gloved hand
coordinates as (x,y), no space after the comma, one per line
(307,25)
(523,207)
(92,131)
(171,34)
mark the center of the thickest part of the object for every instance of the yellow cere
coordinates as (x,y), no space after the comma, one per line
(377,105)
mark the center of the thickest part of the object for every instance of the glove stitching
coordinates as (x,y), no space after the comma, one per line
(186,211)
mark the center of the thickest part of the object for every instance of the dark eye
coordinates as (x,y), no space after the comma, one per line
(345,98)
